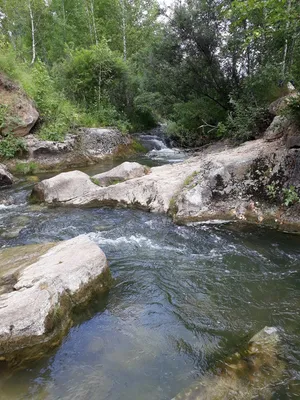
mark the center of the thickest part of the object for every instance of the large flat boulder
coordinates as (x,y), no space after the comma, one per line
(248,374)
(123,172)
(40,285)
(18,112)
(152,192)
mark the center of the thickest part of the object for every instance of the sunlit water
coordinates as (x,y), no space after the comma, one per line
(183,298)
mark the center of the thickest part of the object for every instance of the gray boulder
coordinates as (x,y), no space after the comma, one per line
(246,375)
(98,142)
(6,177)
(121,173)
(63,187)
(40,285)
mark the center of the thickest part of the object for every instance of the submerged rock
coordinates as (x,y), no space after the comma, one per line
(247,375)
(40,285)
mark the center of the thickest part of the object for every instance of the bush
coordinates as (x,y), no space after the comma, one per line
(25,168)
(293,109)
(57,114)
(10,146)
(246,121)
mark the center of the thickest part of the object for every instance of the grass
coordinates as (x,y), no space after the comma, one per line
(24,168)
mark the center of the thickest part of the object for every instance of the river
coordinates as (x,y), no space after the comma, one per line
(184,298)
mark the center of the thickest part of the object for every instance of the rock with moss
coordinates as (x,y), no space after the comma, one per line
(123,172)
(246,375)
(40,285)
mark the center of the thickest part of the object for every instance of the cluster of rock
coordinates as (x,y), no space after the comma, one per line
(258,181)
(40,286)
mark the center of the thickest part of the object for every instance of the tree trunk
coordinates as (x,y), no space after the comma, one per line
(285,50)
(33,43)
(124,29)
(93,21)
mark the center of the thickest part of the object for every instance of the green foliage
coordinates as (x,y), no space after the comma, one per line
(190,178)
(3,116)
(137,147)
(246,121)
(272,191)
(25,168)
(211,68)
(293,109)
(10,146)
(95,181)
(57,114)
(290,196)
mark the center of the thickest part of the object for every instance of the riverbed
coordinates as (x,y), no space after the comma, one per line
(184,297)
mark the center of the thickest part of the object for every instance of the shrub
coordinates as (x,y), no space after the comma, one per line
(10,146)
(290,196)
(26,168)
(293,109)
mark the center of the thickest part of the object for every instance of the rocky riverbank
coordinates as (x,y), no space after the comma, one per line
(85,147)
(258,181)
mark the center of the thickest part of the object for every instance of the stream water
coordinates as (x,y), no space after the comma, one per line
(183,298)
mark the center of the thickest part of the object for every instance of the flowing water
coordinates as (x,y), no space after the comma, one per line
(183,298)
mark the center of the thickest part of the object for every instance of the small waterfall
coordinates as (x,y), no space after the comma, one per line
(157,145)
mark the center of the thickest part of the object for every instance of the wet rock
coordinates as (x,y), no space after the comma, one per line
(247,375)
(20,113)
(6,177)
(121,173)
(40,285)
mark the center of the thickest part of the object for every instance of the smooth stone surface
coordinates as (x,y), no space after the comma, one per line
(228,184)
(63,187)
(40,285)
(123,172)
